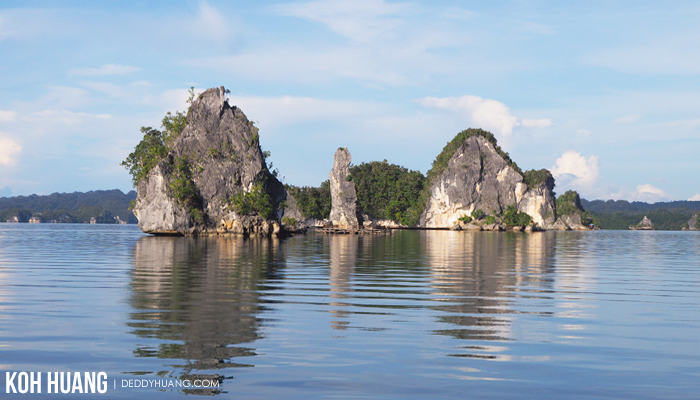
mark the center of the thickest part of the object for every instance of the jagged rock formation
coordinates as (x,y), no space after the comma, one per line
(478,176)
(693,223)
(644,225)
(214,159)
(343,197)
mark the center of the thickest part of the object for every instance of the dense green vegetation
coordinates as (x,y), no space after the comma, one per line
(313,202)
(534,177)
(387,191)
(76,207)
(289,221)
(256,201)
(513,217)
(147,154)
(184,191)
(465,218)
(663,219)
(624,206)
(155,144)
(570,203)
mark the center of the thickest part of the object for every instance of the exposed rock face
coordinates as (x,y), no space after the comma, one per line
(559,225)
(291,209)
(539,203)
(343,196)
(644,225)
(478,177)
(573,221)
(219,151)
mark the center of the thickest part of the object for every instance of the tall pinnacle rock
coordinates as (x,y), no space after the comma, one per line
(343,196)
(215,160)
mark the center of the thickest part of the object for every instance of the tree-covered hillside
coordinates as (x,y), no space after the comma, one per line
(624,206)
(103,205)
(313,202)
(621,214)
(387,191)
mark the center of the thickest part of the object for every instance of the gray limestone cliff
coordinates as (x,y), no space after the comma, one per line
(644,225)
(693,223)
(343,196)
(215,159)
(539,203)
(474,174)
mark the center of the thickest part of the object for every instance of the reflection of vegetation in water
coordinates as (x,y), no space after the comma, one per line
(476,274)
(200,293)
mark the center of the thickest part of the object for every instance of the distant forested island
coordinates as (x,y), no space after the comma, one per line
(99,206)
(621,214)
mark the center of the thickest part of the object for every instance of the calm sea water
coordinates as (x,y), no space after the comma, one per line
(415,314)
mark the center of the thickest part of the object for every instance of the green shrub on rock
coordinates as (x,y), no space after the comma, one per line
(256,201)
(513,217)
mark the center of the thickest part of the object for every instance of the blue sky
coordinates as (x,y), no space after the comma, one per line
(604,94)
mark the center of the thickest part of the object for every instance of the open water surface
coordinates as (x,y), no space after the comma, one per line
(412,315)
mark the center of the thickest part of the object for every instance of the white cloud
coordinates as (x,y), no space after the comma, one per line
(9,149)
(649,193)
(695,198)
(572,170)
(6,116)
(359,20)
(107,69)
(488,114)
(210,23)
(583,132)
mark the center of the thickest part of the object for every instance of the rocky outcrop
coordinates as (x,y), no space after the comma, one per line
(215,159)
(570,212)
(291,209)
(539,203)
(644,225)
(477,176)
(343,196)
(573,221)
(559,225)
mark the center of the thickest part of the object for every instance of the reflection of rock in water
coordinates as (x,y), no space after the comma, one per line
(477,274)
(343,252)
(202,294)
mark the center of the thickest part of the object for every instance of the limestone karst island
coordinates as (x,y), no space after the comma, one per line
(206,174)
